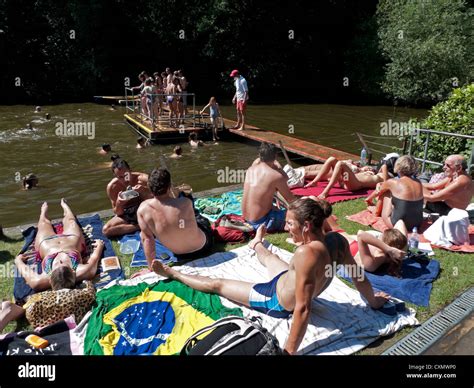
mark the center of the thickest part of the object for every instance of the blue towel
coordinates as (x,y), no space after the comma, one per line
(414,286)
(21,290)
(226,203)
(139,259)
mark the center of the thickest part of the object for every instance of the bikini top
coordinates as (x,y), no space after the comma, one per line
(47,263)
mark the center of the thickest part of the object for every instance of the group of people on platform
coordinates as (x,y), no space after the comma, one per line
(149,203)
(171,88)
(168,87)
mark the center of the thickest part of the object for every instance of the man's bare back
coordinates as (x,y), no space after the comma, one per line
(261,183)
(173,222)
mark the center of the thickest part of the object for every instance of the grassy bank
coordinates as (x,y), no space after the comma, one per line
(457,272)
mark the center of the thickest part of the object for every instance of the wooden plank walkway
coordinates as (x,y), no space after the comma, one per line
(294,145)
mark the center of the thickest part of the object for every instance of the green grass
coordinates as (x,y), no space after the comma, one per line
(457,272)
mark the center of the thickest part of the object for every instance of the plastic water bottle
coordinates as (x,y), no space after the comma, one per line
(363,157)
(414,240)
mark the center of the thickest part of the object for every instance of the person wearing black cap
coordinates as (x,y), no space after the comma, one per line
(106,148)
(240,98)
(30,181)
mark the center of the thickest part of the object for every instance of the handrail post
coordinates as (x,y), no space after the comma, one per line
(404,145)
(369,152)
(411,144)
(425,153)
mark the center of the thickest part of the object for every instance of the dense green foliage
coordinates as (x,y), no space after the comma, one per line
(287,52)
(455,115)
(327,51)
(429,48)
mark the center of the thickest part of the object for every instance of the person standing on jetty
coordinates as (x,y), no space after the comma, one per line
(240,98)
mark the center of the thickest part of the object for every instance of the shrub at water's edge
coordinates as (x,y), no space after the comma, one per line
(455,115)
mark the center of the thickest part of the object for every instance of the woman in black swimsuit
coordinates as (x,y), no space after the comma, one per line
(403,196)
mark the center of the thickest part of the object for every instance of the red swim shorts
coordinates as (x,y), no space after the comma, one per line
(241,105)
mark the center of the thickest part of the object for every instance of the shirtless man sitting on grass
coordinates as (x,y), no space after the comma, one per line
(262,181)
(172,221)
(125,219)
(455,191)
(293,285)
(349,176)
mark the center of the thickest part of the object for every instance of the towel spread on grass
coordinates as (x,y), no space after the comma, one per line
(92,230)
(336,194)
(60,336)
(367,218)
(415,284)
(139,259)
(146,319)
(214,207)
(340,322)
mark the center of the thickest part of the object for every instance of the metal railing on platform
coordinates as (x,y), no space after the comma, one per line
(150,107)
(430,132)
(405,145)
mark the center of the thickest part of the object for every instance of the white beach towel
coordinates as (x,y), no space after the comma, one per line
(452,229)
(341,322)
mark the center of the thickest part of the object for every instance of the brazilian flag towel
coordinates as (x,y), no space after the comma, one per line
(150,319)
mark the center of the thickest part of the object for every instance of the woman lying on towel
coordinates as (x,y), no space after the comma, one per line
(323,172)
(372,252)
(349,176)
(293,285)
(60,254)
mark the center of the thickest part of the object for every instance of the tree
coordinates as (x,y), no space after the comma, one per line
(429,48)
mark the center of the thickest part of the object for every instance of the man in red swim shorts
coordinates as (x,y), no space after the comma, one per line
(240,98)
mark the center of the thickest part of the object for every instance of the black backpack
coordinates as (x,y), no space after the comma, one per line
(233,336)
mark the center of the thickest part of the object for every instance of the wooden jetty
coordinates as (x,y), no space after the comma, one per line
(293,145)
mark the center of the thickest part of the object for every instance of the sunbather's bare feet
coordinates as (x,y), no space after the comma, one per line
(161,269)
(241,128)
(63,202)
(5,304)
(259,234)
(44,209)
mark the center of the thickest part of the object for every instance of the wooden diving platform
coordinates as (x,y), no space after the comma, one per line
(160,131)
(293,145)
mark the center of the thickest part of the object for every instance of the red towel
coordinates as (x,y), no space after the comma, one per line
(367,218)
(336,194)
